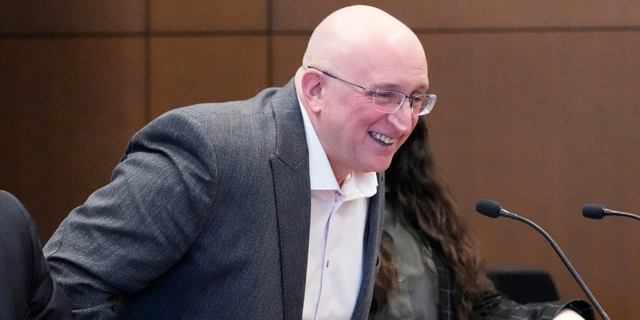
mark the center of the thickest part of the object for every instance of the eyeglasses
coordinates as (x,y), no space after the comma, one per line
(389,101)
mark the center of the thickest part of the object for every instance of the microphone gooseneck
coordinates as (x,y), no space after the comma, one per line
(488,208)
(598,211)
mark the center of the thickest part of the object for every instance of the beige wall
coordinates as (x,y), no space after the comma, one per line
(538,107)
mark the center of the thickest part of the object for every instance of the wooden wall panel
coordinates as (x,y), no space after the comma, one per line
(187,71)
(538,107)
(287,57)
(67,110)
(288,15)
(71,16)
(544,123)
(204,15)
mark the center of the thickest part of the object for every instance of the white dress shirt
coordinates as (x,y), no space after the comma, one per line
(336,235)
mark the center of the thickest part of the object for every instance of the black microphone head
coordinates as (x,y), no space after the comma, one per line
(593,211)
(488,208)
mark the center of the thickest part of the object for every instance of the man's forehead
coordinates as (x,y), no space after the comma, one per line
(414,79)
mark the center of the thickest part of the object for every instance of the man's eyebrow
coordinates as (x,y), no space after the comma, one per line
(395,87)
(386,86)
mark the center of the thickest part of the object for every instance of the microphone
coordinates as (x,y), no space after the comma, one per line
(493,209)
(598,211)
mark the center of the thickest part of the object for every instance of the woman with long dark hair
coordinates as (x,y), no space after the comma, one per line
(430,266)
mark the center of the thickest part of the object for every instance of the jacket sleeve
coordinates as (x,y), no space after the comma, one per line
(133,230)
(493,306)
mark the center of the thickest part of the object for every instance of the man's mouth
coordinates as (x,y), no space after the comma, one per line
(383,139)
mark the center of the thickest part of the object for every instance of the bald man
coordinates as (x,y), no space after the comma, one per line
(268,208)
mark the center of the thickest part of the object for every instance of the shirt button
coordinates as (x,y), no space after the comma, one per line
(327,263)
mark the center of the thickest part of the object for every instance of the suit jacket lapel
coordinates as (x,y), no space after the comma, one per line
(370,260)
(290,167)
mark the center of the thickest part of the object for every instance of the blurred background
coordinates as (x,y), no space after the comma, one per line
(538,107)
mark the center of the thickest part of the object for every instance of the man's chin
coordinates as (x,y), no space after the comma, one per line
(379,166)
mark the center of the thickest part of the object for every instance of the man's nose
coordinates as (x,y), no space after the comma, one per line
(403,117)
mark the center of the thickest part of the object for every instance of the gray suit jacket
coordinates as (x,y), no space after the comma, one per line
(206,217)
(27,290)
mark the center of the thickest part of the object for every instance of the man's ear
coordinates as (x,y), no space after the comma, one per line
(312,85)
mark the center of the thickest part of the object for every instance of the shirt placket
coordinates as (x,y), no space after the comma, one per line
(325,288)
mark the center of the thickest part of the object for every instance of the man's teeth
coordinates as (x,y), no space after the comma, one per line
(384,139)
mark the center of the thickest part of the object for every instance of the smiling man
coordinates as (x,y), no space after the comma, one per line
(268,208)
(362,86)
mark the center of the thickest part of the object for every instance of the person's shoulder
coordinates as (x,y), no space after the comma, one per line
(204,117)
(15,221)
(258,104)
(6,197)
(10,207)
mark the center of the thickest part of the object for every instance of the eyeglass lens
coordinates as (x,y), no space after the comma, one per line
(390,101)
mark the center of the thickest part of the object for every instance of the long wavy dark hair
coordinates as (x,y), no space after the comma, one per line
(415,189)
